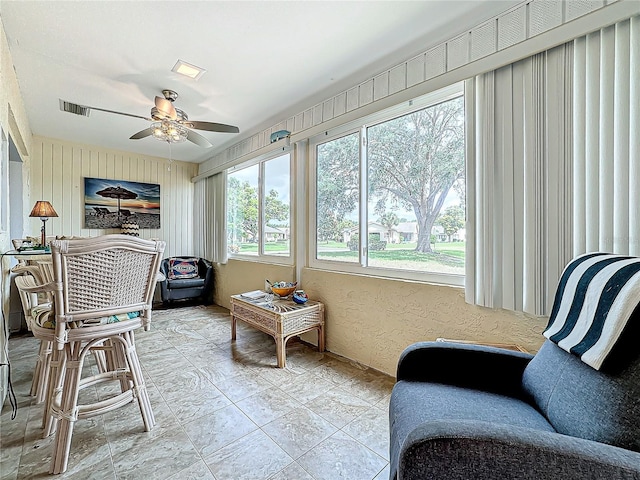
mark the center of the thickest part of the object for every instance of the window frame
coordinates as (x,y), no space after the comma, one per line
(4,181)
(360,126)
(261,256)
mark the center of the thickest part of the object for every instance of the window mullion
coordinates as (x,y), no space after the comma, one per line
(364,200)
(261,210)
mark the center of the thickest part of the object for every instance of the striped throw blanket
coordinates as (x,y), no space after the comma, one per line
(596,296)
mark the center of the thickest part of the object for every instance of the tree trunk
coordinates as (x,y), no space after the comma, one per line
(424,233)
(424,244)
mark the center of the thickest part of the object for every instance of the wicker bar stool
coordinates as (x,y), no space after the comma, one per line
(103,291)
(37,310)
(31,307)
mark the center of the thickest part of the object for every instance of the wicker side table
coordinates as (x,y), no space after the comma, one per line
(282,319)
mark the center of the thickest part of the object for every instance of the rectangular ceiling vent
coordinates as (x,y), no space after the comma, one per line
(74,108)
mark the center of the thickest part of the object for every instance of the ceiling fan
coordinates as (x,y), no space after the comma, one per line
(169,124)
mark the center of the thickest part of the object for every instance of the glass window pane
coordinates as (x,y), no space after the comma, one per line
(416,190)
(337,199)
(277,206)
(242,211)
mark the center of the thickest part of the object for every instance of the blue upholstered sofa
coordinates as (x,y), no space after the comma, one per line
(463,411)
(194,281)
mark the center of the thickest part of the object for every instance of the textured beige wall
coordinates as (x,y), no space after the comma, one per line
(371,320)
(239,276)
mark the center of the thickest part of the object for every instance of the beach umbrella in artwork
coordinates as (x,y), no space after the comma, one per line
(117,192)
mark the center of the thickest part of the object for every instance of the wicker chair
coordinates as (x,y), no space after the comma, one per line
(103,290)
(25,267)
(29,274)
(33,306)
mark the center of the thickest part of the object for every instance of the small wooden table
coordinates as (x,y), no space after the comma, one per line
(282,319)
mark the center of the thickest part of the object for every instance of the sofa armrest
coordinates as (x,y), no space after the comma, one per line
(483,450)
(473,366)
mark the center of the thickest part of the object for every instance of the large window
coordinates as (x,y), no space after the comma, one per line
(338,197)
(259,208)
(390,193)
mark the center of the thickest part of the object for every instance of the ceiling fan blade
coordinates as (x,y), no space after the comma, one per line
(198,139)
(166,107)
(214,127)
(85,110)
(120,113)
(141,134)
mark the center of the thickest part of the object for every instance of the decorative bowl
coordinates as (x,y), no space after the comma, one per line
(285,290)
(300,297)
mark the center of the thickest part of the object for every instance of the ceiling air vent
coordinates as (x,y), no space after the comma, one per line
(74,108)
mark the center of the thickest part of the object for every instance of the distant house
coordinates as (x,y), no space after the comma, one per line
(408,231)
(404,232)
(438,231)
(374,229)
(273,234)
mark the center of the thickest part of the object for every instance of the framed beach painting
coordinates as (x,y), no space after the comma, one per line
(110,203)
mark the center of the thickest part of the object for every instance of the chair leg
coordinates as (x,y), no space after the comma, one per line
(102,359)
(54,390)
(67,410)
(110,359)
(37,373)
(41,373)
(139,386)
(120,362)
(65,382)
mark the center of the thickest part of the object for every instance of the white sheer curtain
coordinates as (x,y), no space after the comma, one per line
(553,166)
(210,218)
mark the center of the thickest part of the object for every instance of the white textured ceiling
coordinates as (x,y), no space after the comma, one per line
(265,60)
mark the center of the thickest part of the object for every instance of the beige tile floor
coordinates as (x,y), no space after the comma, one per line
(223,411)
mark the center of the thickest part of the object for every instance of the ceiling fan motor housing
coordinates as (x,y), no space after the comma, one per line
(170,95)
(156,114)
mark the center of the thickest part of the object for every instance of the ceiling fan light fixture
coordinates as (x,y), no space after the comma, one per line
(188,70)
(169,131)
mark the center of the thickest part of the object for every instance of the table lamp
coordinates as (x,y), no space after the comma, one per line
(44,210)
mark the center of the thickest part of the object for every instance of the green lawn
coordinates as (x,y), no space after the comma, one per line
(446,256)
(454,249)
(269,247)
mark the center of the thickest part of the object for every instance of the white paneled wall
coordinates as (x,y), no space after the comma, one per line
(57,172)
(523,22)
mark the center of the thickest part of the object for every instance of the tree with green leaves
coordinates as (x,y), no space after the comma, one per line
(416,159)
(274,208)
(389,220)
(242,211)
(338,164)
(243,214)
(451,220)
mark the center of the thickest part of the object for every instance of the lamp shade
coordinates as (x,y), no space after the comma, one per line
(42,209)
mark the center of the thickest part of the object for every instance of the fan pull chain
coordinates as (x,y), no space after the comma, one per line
(170,159)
